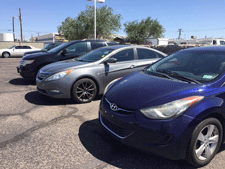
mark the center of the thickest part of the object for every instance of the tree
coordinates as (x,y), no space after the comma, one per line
(140,32)
(82,26)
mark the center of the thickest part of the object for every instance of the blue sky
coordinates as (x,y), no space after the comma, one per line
(195,17)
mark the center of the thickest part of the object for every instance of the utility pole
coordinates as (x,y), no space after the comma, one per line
(13,28)
(21,31)
(179,30)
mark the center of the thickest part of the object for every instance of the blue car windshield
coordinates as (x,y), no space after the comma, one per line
(193,66)
(95,55)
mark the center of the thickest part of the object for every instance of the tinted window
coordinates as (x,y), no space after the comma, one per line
(95,45)
(112,43)
(95,55)
(146,54)
(159,55)
(124,55)
(77,48)
(18,47)
(26,47)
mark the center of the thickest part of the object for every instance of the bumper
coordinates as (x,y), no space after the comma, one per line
(167,138)
(25,73)
(55,89)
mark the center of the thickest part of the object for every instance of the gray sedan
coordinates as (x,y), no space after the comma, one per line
(85,77)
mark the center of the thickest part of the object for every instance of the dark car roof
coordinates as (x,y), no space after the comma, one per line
(207,49)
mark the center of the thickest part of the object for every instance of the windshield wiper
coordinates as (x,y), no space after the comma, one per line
(159,74)
(177,75)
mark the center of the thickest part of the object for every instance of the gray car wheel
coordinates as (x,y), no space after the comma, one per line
(5,54)
(84,90)
(205,142)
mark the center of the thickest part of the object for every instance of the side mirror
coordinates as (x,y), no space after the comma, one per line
(65,51)
(110,60)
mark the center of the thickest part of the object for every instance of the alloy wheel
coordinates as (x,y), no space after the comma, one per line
(84,90)
(207,142)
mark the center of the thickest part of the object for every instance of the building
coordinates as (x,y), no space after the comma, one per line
(6,37)
(157,41)
(48,38)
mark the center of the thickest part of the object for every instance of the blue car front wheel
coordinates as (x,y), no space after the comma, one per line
(205,142)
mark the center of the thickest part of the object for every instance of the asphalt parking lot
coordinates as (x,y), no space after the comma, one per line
(41,132)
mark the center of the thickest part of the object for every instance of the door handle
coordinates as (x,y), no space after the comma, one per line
(132,66)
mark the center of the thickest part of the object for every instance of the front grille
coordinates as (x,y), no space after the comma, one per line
(120,109)
(116,130)
(43,75)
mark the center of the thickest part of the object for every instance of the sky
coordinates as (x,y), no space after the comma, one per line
(201,18)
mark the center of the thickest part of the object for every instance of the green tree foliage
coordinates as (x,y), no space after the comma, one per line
(140,32)
(82,26)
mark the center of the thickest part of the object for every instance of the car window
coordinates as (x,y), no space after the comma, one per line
(18,47)
(77,48)
(95,45)
(112,43)
(124,55)
(146,54)
(26,47)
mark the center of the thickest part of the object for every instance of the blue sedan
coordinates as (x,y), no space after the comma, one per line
(174,108)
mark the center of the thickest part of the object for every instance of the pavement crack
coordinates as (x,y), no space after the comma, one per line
(33,129)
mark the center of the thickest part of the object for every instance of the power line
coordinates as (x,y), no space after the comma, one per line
(203,30)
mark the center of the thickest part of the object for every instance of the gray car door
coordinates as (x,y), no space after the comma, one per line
(123,66)
(145,57)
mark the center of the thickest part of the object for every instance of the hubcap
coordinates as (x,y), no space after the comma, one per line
(85,91)
(206,142)
(6,55)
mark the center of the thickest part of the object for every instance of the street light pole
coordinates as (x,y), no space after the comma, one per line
(99,1)
(13,28)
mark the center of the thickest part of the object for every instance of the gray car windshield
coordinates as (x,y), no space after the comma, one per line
(190,66)
(95,55)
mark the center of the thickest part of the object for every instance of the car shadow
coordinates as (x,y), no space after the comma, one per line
(39,99)
(107,149)
(22,81)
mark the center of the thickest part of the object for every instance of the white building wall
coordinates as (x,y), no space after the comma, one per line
(6,37)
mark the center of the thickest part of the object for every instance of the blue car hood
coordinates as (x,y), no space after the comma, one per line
(139,90)
(64,65)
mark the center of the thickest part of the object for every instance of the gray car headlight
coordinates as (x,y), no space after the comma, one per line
(58,75)
(110,85)
(171,109)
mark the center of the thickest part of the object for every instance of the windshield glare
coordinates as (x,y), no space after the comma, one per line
(95,55)
(12,47)
(199,65)
(58,48)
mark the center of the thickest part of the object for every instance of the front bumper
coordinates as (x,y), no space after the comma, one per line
(25,72)
(56,89)
(167,138)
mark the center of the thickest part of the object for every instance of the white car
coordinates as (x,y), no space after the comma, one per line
(16,51)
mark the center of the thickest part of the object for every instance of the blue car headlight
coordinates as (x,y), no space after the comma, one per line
(58,75)
(171,109)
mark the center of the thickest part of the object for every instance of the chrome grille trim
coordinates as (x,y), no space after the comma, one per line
(118,107)
(100,117)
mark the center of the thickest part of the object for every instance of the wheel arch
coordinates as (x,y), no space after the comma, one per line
(6,52)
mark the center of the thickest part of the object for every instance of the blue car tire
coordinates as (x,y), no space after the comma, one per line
(205,142)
